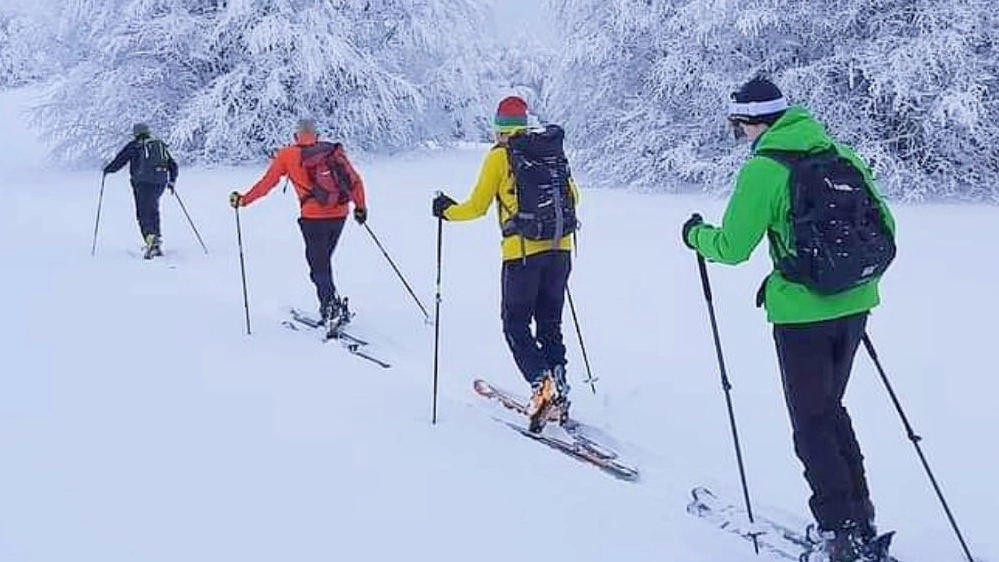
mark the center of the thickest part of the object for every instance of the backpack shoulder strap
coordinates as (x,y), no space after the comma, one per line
(786,157)
(320,147)
(339,168)
(791,158)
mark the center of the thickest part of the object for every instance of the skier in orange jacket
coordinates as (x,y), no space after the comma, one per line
(326,184)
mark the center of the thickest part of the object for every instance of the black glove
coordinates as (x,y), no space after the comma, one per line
(442,202)
(694,220)
(235,199)
(360,215)
(170,186)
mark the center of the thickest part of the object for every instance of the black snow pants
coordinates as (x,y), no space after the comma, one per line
(534,289)
(815,363)
(321,237)
(147,206)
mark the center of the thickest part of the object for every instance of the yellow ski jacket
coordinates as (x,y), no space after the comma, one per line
(496,183)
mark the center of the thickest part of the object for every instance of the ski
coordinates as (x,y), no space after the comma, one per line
(355,349)
(142,253)
(776,538)
(339,331)
(771,537)
(580,443)
(580,432)
(350,342)
(578,451)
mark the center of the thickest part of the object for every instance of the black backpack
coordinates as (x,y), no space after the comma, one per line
(152,162)
(321,162)
(546,209)
(840,240)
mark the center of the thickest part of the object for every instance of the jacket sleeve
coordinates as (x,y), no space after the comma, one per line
(485,191)
(357,194)
(277,169)
(747,217)
(123,157)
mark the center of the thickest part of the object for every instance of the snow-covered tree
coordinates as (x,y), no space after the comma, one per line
(910,83)
(130,61)
(524,67)
(25,58)
(598,80)
(225,81)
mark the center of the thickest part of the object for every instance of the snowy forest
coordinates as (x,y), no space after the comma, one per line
(640,85)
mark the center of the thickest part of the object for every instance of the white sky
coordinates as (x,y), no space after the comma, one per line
(514,15)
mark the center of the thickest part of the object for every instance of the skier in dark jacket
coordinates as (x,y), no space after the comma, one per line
(816,335)
(152,170)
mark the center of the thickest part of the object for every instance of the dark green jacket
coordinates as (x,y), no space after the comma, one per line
(760,202)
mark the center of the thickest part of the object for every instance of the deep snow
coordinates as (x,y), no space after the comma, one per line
(139,422)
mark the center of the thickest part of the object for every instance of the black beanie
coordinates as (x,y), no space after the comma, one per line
(757,101)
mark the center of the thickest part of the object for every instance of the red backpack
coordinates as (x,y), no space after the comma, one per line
(322,163)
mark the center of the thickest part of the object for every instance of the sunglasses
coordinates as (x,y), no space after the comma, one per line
(737,129)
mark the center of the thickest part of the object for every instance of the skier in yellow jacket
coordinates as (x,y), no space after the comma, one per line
(528,168)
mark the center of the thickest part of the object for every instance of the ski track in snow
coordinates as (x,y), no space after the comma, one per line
(138,421)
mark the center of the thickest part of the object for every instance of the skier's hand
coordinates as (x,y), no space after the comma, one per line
(441,203)
(360,214)
(694,220)
(170,186)
(235,200)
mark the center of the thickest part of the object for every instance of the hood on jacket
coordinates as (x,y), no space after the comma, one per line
(796,130)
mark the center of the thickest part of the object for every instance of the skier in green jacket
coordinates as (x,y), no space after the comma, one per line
(816,333)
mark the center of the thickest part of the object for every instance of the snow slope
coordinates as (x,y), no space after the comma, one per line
(138,421)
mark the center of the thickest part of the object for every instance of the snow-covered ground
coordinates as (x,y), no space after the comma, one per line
(138,421)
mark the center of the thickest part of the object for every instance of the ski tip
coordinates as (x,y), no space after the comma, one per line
(879,547)
(883,541)
(482,387)
(700,493)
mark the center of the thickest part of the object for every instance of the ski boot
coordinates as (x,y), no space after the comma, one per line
(560,405)
(334,315)
(543,394)
(153,247)
(850,543)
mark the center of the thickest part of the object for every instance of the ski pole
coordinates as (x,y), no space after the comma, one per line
(915,442)
(189,221)
(727,386)
(97,222)
(579,334)
(242,270)
(437,311)
(426,315)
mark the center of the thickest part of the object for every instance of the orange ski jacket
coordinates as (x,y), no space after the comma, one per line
(288,162)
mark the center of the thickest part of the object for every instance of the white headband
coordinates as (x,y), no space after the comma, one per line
(757,108)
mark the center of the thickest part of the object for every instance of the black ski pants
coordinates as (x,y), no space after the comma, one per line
(815,363)
(147,206)
(534,289)
(321,237)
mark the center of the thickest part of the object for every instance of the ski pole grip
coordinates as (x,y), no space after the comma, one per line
(703,268)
